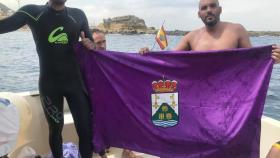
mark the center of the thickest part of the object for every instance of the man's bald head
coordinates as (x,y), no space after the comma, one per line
(202,2)
(209,12)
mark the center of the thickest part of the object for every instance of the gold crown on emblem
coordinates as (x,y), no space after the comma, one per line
(164,86)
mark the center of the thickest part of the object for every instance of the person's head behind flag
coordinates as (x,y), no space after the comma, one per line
(161,38)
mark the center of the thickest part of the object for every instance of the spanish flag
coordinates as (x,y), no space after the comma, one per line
(161,38)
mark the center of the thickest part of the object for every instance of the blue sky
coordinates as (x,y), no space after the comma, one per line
(178,14)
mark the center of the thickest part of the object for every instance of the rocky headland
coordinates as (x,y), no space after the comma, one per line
(128,24)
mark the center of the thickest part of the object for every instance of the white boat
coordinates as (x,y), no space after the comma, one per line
(34,130)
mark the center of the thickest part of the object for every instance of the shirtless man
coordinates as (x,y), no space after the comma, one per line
(216,34)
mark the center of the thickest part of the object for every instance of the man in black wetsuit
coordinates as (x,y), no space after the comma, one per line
(55,28)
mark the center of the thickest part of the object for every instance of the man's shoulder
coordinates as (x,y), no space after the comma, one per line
(32,10)
(32,7)
(198,30)
(237,29)
(75,11)
(194,32)
(231,25)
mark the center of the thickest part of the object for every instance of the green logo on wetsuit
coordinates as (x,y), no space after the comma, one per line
(61,38)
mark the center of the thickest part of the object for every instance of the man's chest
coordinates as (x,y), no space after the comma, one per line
(207,42)
(57,29)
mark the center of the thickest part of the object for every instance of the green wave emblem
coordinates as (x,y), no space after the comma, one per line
(61,38)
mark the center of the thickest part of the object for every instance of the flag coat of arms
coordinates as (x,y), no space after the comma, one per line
(178,104)
(161,38)
(165,103)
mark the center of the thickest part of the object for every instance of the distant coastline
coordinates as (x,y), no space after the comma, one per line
(131,25)
(182,33)
(251,33)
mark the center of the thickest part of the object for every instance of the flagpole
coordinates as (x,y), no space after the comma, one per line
(163,22)
(154,45)
(171,41)
(18,1)
(156,35)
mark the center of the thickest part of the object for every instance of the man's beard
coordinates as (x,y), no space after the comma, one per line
(212,22)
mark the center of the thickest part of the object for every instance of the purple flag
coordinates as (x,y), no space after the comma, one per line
(179,104)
